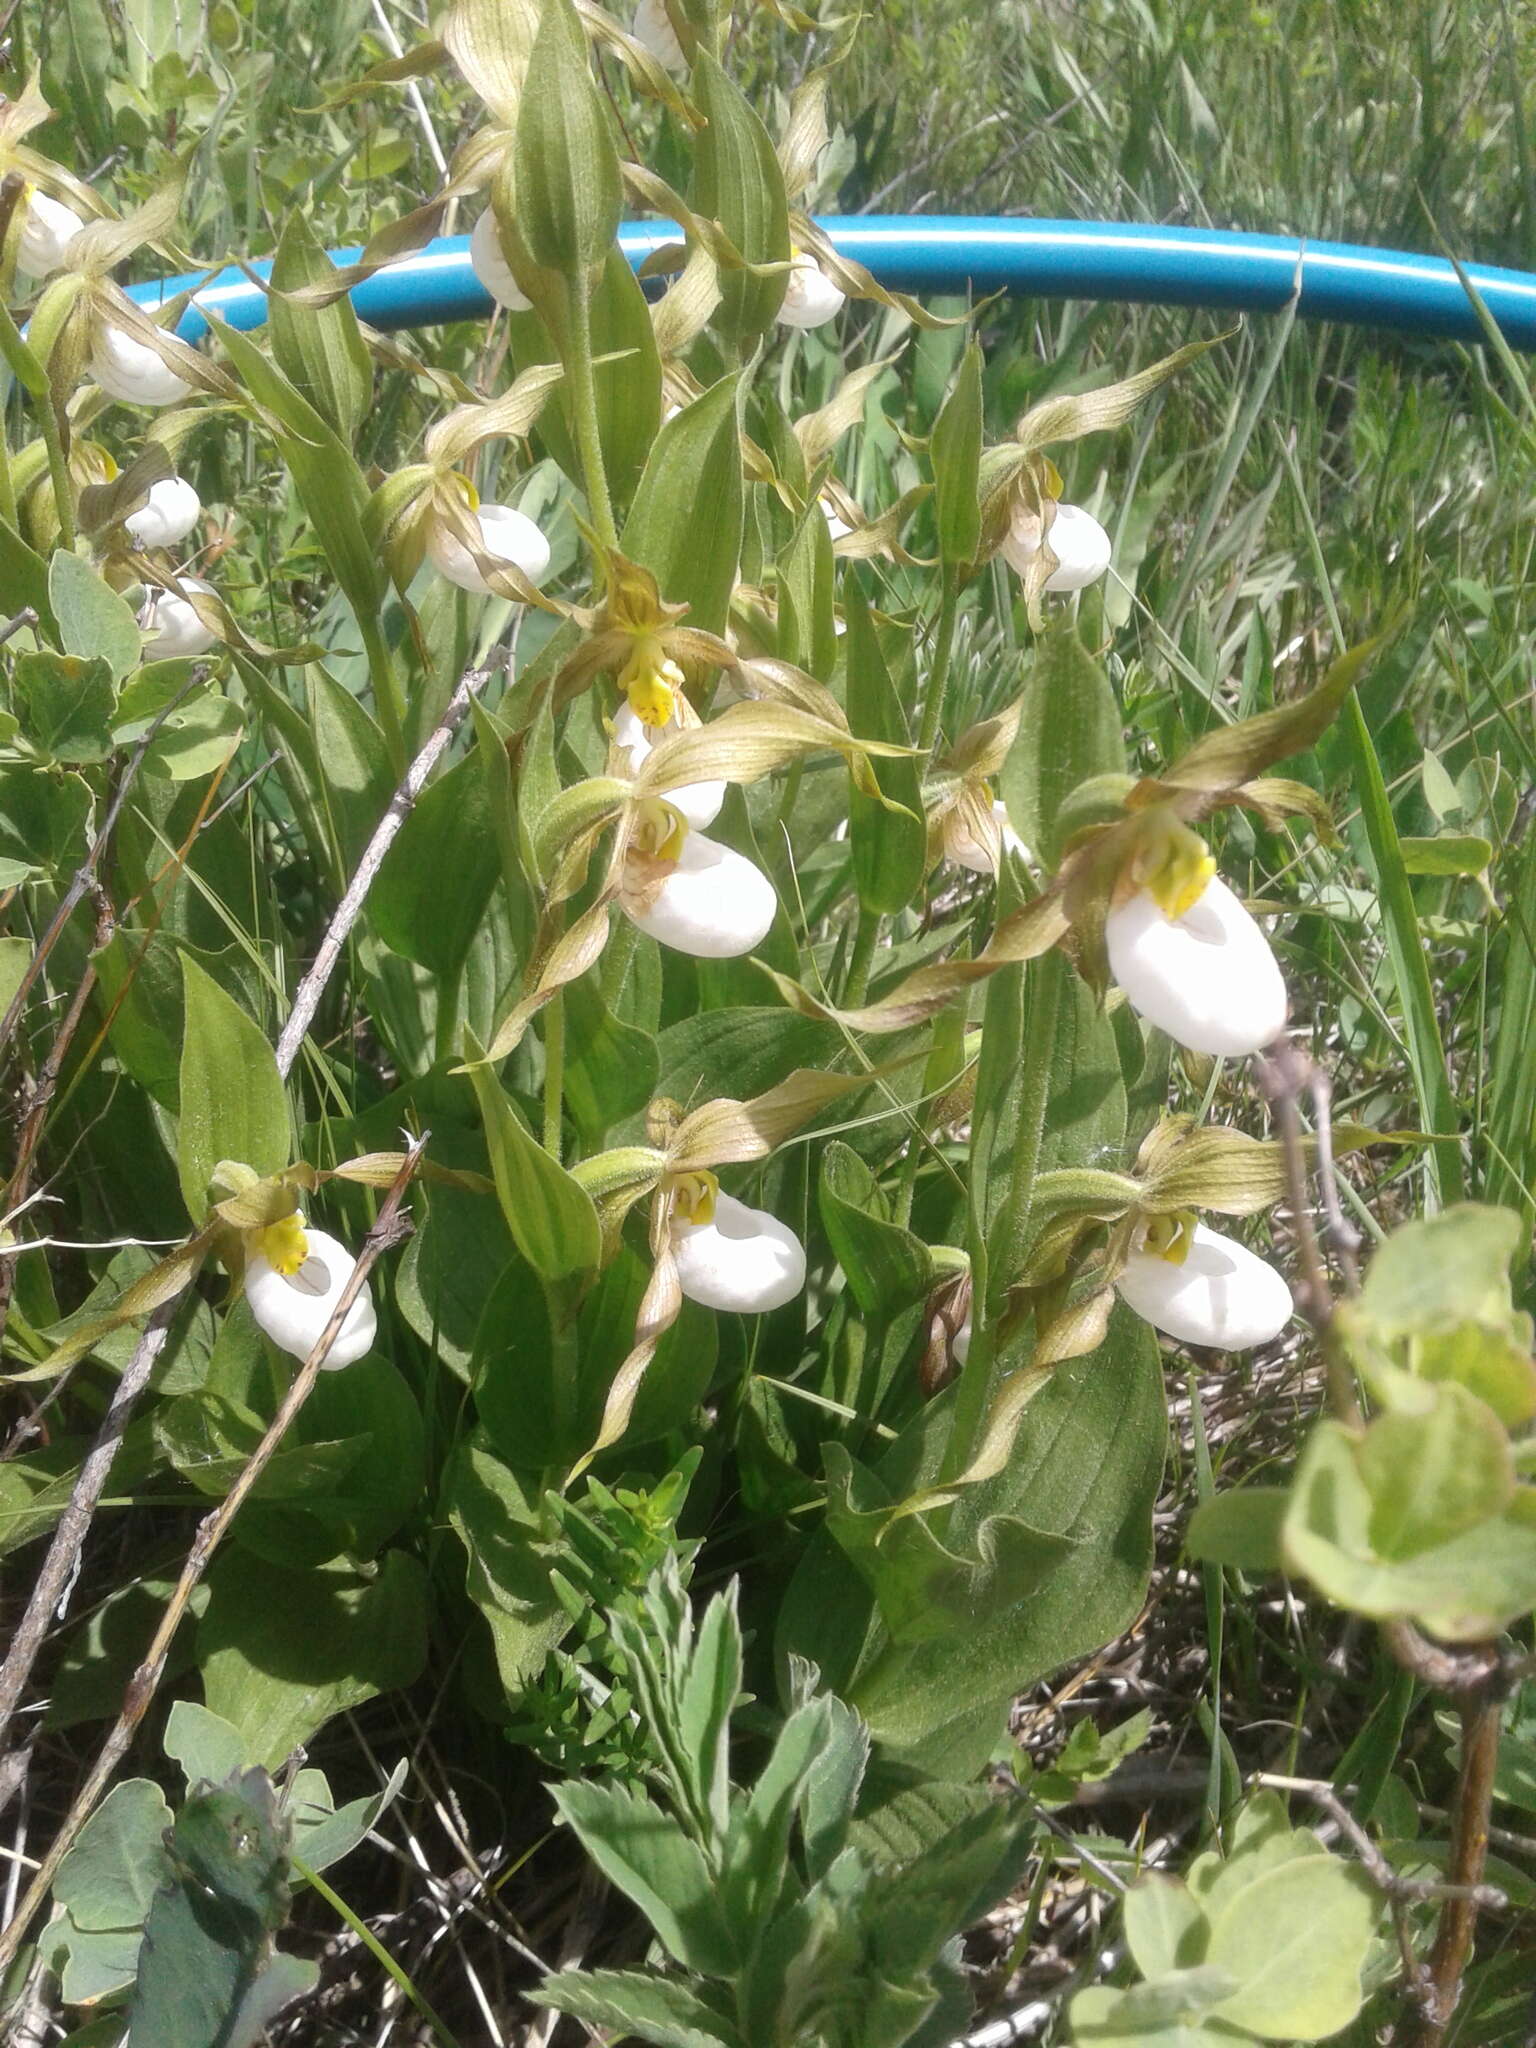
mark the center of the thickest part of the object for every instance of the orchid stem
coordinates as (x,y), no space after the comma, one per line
(554,1074)
(938,675)
(865,939)
(589,442)
(388,697)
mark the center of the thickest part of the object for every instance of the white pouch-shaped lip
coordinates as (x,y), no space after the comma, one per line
(699,802)
(745,1260)
(1208,978)
(1223,1295)
(173,627)
(1079,543)
(167,516)
(130,370)
(48,227)
(506,535)
(714,904)
(492,268)
(810,297)
(293,1309)
(651,25)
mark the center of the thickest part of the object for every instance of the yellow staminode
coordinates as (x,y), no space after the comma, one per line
(693,1196)
(652,682)
(283,1245)
(1175,868)
(1170,1237)
(660,829)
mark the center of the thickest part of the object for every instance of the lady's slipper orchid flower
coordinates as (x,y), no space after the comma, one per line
(506,535)
(811,299)
(837,527)
(1195,1285)
(167,516)
(293,1281)
(1080,545)
(688,892)
(652,27)
(492,267)
(729,1256)
(699,802)
(130,370)
(1188,955)
(173,626)
(48,227)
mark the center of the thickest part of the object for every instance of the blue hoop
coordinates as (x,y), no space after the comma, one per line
(1216,268)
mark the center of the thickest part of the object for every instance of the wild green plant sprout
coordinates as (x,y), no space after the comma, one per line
(649,795)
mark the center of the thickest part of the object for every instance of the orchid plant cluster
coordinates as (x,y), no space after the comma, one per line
(702,843)
(1135,901)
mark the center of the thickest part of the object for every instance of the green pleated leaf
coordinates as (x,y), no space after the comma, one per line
(956,453)
(325,473)
(737,180)
(566,169)
(550,1216)
(686,520)
(318,348)
(890,838)
(437,878)
(1070,731)
(233,1102)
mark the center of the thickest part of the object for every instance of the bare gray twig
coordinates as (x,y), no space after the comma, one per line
(70,1533)
(313,986)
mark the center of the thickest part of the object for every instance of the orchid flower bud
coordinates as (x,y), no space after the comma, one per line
(651,26)
(492,267)
(969,850)
(689,893)
(1079,543)
(293,1281)
(699,802)
(173,628)
(1199,1287)
(1188,955)
(811,299)
(506,535)
(167,516)
(48,227)
(729,1256)
(130,370)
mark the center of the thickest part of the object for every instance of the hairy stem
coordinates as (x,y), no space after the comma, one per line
(583,388)
(554,1073)
(938,673)
(388,697)
(865,939)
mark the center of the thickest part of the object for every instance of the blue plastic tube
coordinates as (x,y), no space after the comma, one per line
(1388,288)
